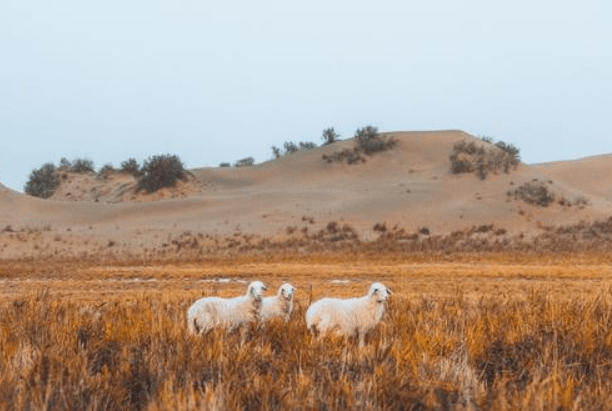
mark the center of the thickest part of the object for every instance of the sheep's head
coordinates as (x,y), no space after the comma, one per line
(380,292)
(256,289)
(286,291)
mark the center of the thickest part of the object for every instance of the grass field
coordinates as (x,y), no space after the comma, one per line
(473,331)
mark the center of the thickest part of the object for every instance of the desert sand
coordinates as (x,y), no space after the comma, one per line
(410,186)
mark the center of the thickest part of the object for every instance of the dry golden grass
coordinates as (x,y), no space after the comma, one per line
(473,331)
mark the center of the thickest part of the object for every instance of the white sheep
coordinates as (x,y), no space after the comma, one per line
(352,317)
(230,313)
(279,306)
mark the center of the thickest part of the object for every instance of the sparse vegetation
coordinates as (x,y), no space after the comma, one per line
(161,171)
(534,193)
(131,166)
(291,147)
(368,142)
(82,165)
(329,136)
(43,181)
(225,165)
(307,145)
(351,156)
(245,162)
(78,165)
(276,152)
(470,157)
(106,170)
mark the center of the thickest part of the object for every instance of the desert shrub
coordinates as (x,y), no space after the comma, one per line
(469,157)
(534,193)
(370,142)
(131,166)
(161,171)
(43,181)
(307,145)
(225,165)
(351,156)
(106,170)
(510,149)
(65,164)
(276,152)
(82,165)
(329,136)
(245,162)
(290,147)
(79,165)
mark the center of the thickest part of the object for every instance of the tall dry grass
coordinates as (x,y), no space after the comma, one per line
(434,352)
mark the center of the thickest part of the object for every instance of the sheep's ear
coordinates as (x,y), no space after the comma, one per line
(252,291)
(265,287)
(389,291)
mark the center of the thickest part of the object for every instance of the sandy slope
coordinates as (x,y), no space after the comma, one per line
(591,175)
(410,186)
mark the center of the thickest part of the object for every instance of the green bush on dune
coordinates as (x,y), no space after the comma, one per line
(161,171)
(482,159)
(43,181)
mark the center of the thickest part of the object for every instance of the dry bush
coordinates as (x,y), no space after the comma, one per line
(131,166)
(369,142)
(290,148)
(82,166)
(470,157)
(433,352)
(534,193)
(161,171)
(106,171)
(351,156)
(245,162)
(43,181)
(329,136)
(78,165)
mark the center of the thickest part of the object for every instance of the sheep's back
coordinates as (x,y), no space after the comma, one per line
(330,313)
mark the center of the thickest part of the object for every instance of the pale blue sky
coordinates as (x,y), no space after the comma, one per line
(219,81)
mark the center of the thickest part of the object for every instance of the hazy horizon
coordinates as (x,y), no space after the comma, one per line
(215,83)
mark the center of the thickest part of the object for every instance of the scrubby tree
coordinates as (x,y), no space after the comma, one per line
(43,181)
(245,162)
(225,165)
(467,157)
(161,171)
(82,165)
(276,152)
(329,136)
(65,164)
(131,166)
(370,142)
(290,147)
(106,170)
(307,145)
(511,149)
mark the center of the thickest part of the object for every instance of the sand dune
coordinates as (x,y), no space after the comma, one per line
(410,186)
(591,175)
